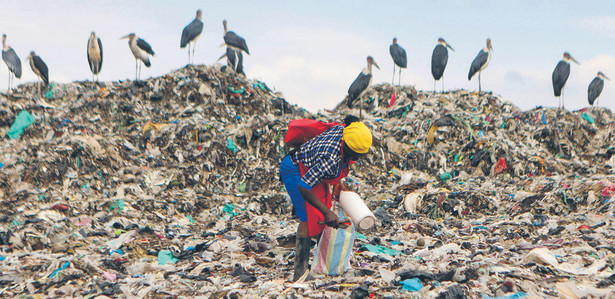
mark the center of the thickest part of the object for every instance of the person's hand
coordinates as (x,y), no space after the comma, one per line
(331,219)
(337,189)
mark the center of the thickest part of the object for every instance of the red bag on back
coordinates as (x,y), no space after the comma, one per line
(302,130)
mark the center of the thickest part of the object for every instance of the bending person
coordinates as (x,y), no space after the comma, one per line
(307,173)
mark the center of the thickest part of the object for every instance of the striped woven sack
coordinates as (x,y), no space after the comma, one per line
(334,249)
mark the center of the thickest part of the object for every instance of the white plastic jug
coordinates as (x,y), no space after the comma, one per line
(355,208)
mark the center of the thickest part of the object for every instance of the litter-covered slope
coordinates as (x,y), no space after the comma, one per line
(170,187)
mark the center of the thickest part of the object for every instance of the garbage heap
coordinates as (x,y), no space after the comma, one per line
(170,187)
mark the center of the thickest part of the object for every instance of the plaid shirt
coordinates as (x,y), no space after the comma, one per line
(322,155)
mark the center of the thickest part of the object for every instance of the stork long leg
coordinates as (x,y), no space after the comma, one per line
(393,80)
(193,49)
(361,108)
(191,53)
(479,83)
(8,88)
(399,78)
(442,81)
(188,53)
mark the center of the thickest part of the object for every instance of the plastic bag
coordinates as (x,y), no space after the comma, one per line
(22,121)
(334,249)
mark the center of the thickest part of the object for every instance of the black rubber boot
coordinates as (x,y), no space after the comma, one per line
(302,256)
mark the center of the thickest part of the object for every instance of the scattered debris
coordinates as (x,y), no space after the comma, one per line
(170,187)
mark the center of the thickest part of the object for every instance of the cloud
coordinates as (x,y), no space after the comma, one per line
(515,77)
(310,84)
(313,67)
(602,26)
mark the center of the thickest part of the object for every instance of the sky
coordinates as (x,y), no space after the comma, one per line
(311,51)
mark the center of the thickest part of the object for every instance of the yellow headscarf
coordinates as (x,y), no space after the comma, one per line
(358,137)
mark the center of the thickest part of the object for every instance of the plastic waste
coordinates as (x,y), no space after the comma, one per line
(112,173)
(165,257)
(55,272)
(511,296)
(356,209)
(412,285)
(387,276)
(379,249)
(23,120)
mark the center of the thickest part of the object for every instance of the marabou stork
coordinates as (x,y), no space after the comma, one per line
(439,58)
(595,88)
(480,62)
(12,61)
(39,68)
(560,76)
(361,84)
(95,55)
(141,50)
(234,60)
(399,58)
(231,39)
(191,33)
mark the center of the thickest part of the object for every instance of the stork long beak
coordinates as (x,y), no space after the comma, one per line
(449,46)
(375,64)
(574,60)
(605,77)
(223,55)
(125,37)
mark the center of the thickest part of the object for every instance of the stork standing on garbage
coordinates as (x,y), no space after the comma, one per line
(595,88)
(191,33)
(39,67)
(480,63)
(560,76)
(141,50)
(231,39)
(399,59)
(439,59)
(360,85)
(95,55)
(12,62)
(307,173)
(234,60)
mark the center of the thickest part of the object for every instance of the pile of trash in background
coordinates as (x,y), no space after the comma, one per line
(170,187)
